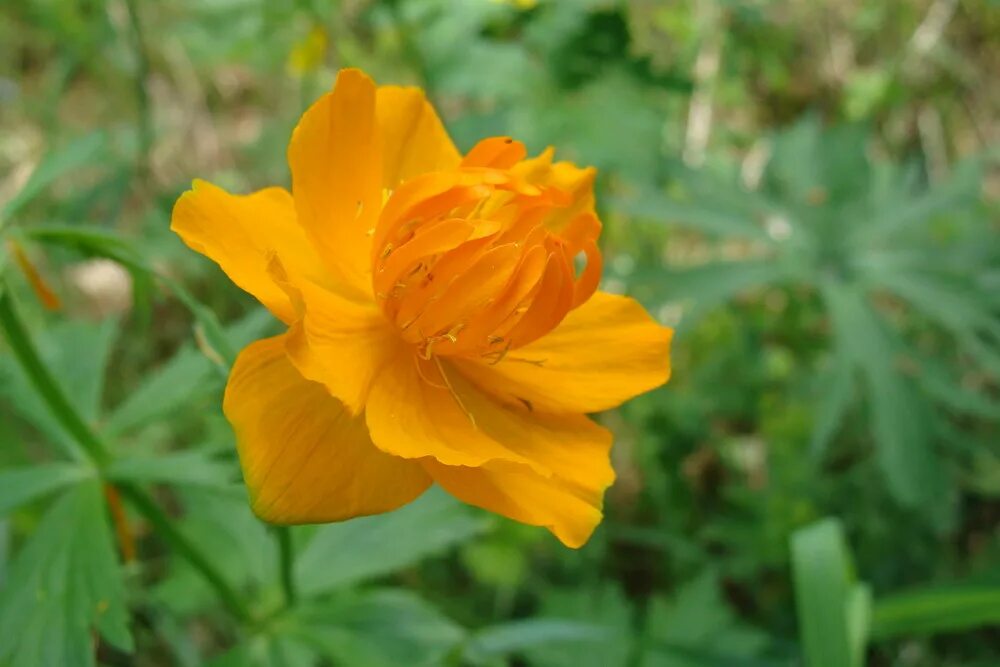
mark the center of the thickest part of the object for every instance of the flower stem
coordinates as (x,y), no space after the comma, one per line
(286,558)
(163,524)
(146,137)
(85,444)
(93,449)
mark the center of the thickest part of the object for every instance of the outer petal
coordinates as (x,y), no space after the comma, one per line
(304,457)
(336,162)
(340,343)
(241,232)
(414,141)
(605,352)
(469,441)
(520,494)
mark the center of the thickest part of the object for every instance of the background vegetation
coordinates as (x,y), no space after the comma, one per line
(808,190)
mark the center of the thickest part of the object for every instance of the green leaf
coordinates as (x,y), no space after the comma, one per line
(691,628)
(900,416)
(606,608)
(82,152)
(91,241)
(189,468)
(262,651)
(832,607)
(79,377)
(343,553)
(181,380)
(108,244)
(513,637)
(19,486)
(703,216)
(836,392)
(955,304)
(936,610)
(64,584)
(82,376)
(235,542)
(906,210)
(378,628)
(712,284)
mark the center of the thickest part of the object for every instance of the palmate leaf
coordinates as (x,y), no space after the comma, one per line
(179,382)
(955,304)
(64,585)
(380,628)
(710,285)
(516,637)
(904,449)
(902,211)
(607,608)
(701,215)
(19,486)
(696,628)
(343,553)
(836,387)
(81,376)
(194,467)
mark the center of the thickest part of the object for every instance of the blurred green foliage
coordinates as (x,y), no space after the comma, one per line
(808,191)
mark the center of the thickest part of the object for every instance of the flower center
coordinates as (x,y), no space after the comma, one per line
(468,263)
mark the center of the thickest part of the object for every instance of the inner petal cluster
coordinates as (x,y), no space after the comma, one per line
(478,261)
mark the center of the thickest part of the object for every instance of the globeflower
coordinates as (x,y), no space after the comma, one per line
(444,322)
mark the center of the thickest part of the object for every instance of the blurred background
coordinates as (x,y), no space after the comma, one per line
(806,190)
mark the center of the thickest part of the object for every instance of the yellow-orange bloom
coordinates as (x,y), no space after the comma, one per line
(439,328)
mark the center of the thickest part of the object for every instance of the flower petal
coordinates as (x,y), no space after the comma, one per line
(241,232)
(570,510)
(604,353)
(340,343)
(336,162)
(414,141)
(420,408)
(577,183)
(304,457)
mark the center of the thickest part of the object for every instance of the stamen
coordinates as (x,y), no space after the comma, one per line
(533,362)
(444,376)
(500,354)
(425,378)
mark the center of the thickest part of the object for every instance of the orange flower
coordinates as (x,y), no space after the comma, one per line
(438,330)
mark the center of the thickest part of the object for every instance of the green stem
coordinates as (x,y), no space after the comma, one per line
(98,453)
(162,523)
(286,557)
(46,384)
(141,93)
